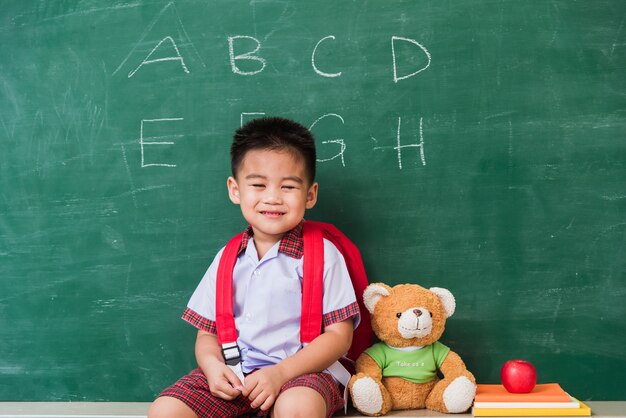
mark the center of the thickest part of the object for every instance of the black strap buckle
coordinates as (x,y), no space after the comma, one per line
(231,353)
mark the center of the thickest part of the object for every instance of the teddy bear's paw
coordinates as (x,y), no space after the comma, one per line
(366,396)
(459,395)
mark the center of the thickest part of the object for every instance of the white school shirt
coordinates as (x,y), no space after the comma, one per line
(268,302)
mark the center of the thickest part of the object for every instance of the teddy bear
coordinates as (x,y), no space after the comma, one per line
(401,371)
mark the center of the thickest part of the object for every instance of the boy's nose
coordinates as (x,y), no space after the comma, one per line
(273,197)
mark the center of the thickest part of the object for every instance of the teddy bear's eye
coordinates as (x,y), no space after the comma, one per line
(399,314)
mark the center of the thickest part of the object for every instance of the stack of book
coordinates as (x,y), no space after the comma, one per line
(546,400)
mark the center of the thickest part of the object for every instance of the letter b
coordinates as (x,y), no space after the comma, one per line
(247,56)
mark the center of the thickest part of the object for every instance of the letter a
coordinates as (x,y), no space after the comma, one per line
(393,52)
(147,60)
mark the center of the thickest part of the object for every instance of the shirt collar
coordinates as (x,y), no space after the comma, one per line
(291,243)
(407,349)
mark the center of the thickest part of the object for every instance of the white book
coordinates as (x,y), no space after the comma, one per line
(573,403)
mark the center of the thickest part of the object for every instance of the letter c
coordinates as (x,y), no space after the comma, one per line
(317,70)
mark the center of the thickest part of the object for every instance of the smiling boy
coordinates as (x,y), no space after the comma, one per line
(273,182)
(273,192)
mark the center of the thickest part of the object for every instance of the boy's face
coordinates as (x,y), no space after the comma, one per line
(273,191)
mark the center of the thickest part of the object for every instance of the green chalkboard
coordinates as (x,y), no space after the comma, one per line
(474,145)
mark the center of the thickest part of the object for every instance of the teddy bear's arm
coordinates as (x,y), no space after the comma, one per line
(365,364)
(453,366)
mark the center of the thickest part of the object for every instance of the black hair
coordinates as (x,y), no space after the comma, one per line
(278,134)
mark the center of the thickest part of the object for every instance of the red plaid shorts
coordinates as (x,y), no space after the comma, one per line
(193,390)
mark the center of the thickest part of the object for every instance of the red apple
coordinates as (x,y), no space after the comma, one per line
(518,376)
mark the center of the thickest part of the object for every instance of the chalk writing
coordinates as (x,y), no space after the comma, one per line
(393,54)
(399,147)
(170,7)
(143,143)
(318,71)
(147,60)
(237,60)
(244,115)
(252,55)
(246,56)
(130,177)
(339,141)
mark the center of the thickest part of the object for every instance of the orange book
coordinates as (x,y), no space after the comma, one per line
(548,392)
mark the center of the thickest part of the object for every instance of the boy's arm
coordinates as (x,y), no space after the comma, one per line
(263,386)
(223,382)
(322,352)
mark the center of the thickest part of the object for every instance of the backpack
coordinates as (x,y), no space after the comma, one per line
(312,290)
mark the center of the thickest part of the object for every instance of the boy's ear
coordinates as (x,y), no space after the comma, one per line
(233,190)
(311,196)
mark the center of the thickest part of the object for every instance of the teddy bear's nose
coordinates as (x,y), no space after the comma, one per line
(417,312)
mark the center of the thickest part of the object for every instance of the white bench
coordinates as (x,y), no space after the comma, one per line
(600,409)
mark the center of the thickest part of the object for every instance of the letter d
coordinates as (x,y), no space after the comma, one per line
(393,52)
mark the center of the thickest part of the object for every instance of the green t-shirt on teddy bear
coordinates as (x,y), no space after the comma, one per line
(417,366)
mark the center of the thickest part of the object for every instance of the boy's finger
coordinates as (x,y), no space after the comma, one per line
(233,380)
(256,391)
(225,396)
(268,403)
(258,401)
(220,394)
(225,387)
(249,387)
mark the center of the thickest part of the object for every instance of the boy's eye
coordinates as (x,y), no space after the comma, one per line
(258,185)
(289,187)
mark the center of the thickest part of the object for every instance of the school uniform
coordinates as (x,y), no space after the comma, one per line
(267,308)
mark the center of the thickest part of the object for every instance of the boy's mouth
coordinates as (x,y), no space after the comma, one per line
(272,214)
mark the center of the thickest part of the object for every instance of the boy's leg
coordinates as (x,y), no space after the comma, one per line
(300,402)
(192,394)
(166,407)
(310,395)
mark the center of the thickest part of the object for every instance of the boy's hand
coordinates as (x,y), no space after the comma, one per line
(223,382)
(263,386)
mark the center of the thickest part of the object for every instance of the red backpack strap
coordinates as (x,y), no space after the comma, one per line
(363,334)
(312,283)
(224,316)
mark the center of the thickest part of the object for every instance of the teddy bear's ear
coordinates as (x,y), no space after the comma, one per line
(446,298)
(373,293)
